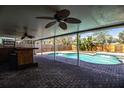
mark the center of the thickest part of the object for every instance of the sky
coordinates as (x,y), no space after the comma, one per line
(114,32)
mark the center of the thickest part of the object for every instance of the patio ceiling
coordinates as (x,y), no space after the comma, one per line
(13,18)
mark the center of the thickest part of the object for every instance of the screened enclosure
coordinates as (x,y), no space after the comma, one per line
(97,46)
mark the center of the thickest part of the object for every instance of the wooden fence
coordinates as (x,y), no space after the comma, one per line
(106,48)
(47,48)
(99,48)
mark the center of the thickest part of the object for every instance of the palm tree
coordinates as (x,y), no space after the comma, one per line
(87,43)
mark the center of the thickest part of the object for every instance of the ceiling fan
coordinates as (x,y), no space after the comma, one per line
(62,18)
(26,34)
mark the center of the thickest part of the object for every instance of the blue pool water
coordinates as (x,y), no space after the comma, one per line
(96,59)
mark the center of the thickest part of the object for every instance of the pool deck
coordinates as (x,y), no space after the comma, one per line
(64,73)
(114,69)
(101,75)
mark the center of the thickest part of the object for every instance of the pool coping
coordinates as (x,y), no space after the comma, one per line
(121,61)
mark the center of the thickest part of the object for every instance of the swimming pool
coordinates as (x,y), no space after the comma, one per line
(96,59)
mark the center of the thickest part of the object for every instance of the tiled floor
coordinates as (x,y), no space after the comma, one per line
(58,74)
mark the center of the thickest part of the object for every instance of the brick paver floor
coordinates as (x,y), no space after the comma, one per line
(50,74)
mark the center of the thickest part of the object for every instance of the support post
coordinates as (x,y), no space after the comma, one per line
(54,50)
(55,45)
(78,58)
(41,47)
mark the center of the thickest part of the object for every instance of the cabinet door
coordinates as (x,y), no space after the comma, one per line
(25,57)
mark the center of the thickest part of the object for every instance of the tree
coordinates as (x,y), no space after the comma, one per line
(79,40)
(87,43)
(121,37)
(109,39)
(100,37)
(103,37)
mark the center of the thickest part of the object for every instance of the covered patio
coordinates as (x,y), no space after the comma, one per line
(90,40)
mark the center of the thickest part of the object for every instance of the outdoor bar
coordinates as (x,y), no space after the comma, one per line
(17,58)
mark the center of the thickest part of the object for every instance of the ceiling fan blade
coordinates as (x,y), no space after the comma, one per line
(22,37)
(72,20)
(63,25)
(63,13)
(50,24)
(45,17)
(29,36)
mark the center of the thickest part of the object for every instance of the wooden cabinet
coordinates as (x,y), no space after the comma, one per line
(17,58)
(25,56)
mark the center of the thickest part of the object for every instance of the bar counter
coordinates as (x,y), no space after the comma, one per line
(19,56)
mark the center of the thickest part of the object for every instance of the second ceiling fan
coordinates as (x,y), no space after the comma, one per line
(26,34)
(62,17)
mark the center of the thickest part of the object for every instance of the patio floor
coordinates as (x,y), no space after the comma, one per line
(61,75)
